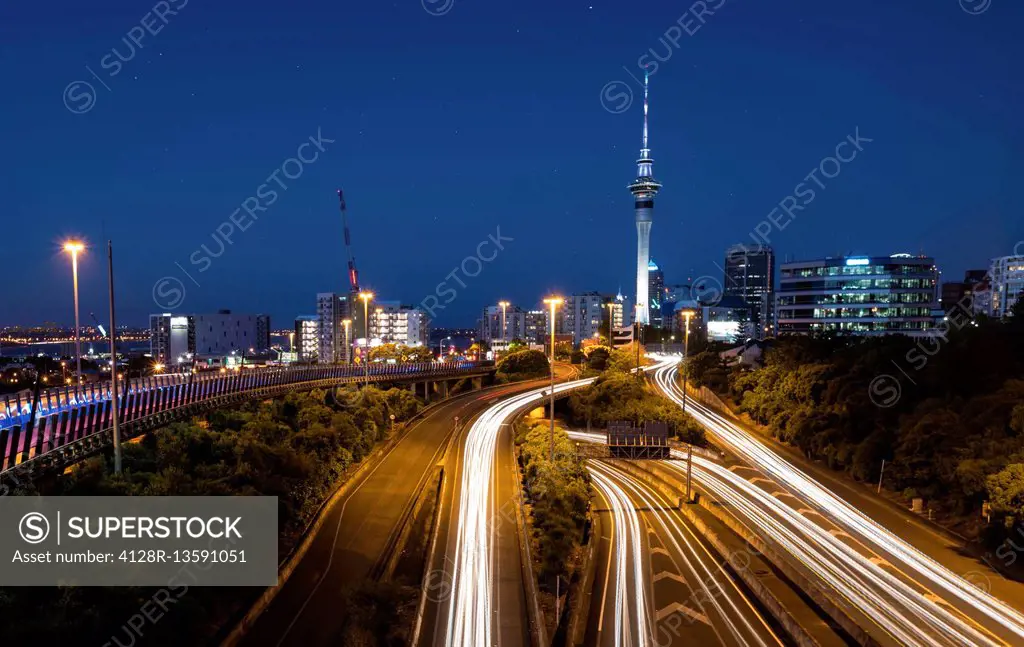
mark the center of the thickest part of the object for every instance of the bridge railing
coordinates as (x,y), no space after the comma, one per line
(69,414)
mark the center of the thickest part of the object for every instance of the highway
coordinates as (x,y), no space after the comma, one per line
(306,610)
(478,554)
(662,584)
(899,594)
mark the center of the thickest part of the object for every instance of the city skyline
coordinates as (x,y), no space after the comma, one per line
(933,179)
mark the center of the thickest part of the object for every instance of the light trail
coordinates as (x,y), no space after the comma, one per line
(904,623)
(733,613)
(470,615)
(632,617)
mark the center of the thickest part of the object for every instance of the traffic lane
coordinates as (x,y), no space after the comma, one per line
(510,612)
(356,529)
(440,581)
(889,607)
(626,614)
(695,597)
(976,616)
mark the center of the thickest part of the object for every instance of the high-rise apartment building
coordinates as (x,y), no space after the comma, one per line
(515,324)
(394,323)
(306,338)
(334,346)
(582,315)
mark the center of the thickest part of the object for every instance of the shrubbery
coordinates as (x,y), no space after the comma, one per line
(522,365)
(952,432)
(558,494)
(619,396)
(295,448)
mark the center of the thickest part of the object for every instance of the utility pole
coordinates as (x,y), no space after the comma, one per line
(880,475)
(114,404)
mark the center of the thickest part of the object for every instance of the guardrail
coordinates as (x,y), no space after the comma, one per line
(66,424)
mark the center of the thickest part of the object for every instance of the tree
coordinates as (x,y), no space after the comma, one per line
(1006,491)
(523,365)
(401,353)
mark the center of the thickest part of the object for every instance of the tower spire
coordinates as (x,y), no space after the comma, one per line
(644,150)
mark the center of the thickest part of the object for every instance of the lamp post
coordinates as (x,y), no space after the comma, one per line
(686,348)
(114,403)
(552,303)
(74,247)
(636,335)
(347,323)
(504,329)
(366,297)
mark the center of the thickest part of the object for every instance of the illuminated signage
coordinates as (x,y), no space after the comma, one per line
(856,261)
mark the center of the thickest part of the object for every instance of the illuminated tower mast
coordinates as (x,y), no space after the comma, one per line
(643,188)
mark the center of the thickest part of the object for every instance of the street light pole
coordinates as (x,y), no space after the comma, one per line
(366,296)
(347,323)
(686,349)
(73,248)
(114,403)
(553,302)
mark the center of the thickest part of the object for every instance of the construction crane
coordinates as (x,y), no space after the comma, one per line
(353,273)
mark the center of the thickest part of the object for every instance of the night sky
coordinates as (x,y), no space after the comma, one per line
(448,127)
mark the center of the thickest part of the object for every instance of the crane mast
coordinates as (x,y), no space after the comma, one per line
(353,273)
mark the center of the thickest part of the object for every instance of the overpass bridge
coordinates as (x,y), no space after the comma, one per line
(67,424)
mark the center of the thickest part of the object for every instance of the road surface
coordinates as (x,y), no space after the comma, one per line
(306,609)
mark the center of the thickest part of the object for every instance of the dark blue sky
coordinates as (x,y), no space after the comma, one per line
(447,127)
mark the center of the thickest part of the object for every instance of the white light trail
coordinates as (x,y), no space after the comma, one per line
(470,616)
(632,619)
(941,619)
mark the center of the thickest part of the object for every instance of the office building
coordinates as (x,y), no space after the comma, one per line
(306,339)
(176,339)
(655,293)
(750,275)
(860,295)
(1006,276)
(643,188)
(394,323)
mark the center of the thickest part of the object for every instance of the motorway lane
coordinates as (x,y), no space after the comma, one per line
(688,595)
(905,597)
(480,599)
(306,610)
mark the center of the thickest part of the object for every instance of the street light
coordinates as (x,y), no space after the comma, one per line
(366,297)
(686,347)
(347,323)
(75,247)
(504,330)
(552,303)
(637,308)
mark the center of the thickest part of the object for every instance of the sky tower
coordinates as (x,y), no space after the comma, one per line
(643,188)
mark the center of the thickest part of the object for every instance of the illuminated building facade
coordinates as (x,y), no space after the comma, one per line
(859,295)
